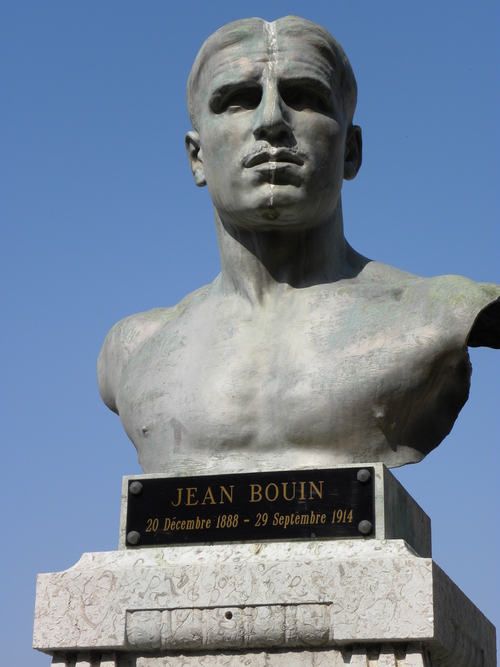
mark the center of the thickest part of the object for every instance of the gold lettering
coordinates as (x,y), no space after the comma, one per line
(223,490)
(267,494)
(312,486)
(209,494)
(190,524)
(304,519)
(302,485)
(179,499)
(191,490)
(284,485)
(255,490)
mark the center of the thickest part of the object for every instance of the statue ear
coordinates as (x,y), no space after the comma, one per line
(195,158)
(353,152)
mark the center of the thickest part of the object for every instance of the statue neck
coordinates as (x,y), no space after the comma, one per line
(258,265)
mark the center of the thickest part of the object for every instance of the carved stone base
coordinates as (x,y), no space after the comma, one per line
(385,655)
(370,603)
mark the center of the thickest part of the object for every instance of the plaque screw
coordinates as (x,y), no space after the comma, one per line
(363,476)
(135,488)
(229,615)
(133,537)
(365,527)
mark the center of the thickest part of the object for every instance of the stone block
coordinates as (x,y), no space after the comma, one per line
(261,598)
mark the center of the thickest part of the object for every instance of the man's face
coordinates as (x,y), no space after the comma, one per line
(272,132)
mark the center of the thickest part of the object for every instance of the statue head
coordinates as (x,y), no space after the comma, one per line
(271,106)
(297,29)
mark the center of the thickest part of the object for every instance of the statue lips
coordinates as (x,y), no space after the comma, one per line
(280,155)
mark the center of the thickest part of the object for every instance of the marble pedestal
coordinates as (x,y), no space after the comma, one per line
(370,602)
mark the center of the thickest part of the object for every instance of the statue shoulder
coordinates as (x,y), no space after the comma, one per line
(467,311)
(470,309)
(122,340)
(128,336)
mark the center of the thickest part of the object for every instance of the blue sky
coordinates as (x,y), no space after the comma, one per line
(101,219)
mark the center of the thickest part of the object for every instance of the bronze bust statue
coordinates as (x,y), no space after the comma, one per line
(302,353)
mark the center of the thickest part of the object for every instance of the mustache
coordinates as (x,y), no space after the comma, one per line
(267,153)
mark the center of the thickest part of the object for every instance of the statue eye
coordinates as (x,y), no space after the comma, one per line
(246,98)
(300,97)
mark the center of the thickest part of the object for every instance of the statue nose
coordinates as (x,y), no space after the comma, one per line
(271,121)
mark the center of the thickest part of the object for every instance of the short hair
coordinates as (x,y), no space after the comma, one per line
(294,26)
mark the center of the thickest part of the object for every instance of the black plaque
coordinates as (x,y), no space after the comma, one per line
(299,504)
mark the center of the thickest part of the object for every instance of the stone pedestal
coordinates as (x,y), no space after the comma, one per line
(371,602)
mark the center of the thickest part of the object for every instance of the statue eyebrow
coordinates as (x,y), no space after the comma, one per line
(252,82)
(227,88)
(307,82)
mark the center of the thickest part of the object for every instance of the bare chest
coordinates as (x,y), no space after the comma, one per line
(283,380)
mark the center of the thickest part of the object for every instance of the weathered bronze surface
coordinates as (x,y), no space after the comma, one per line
(302,353)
